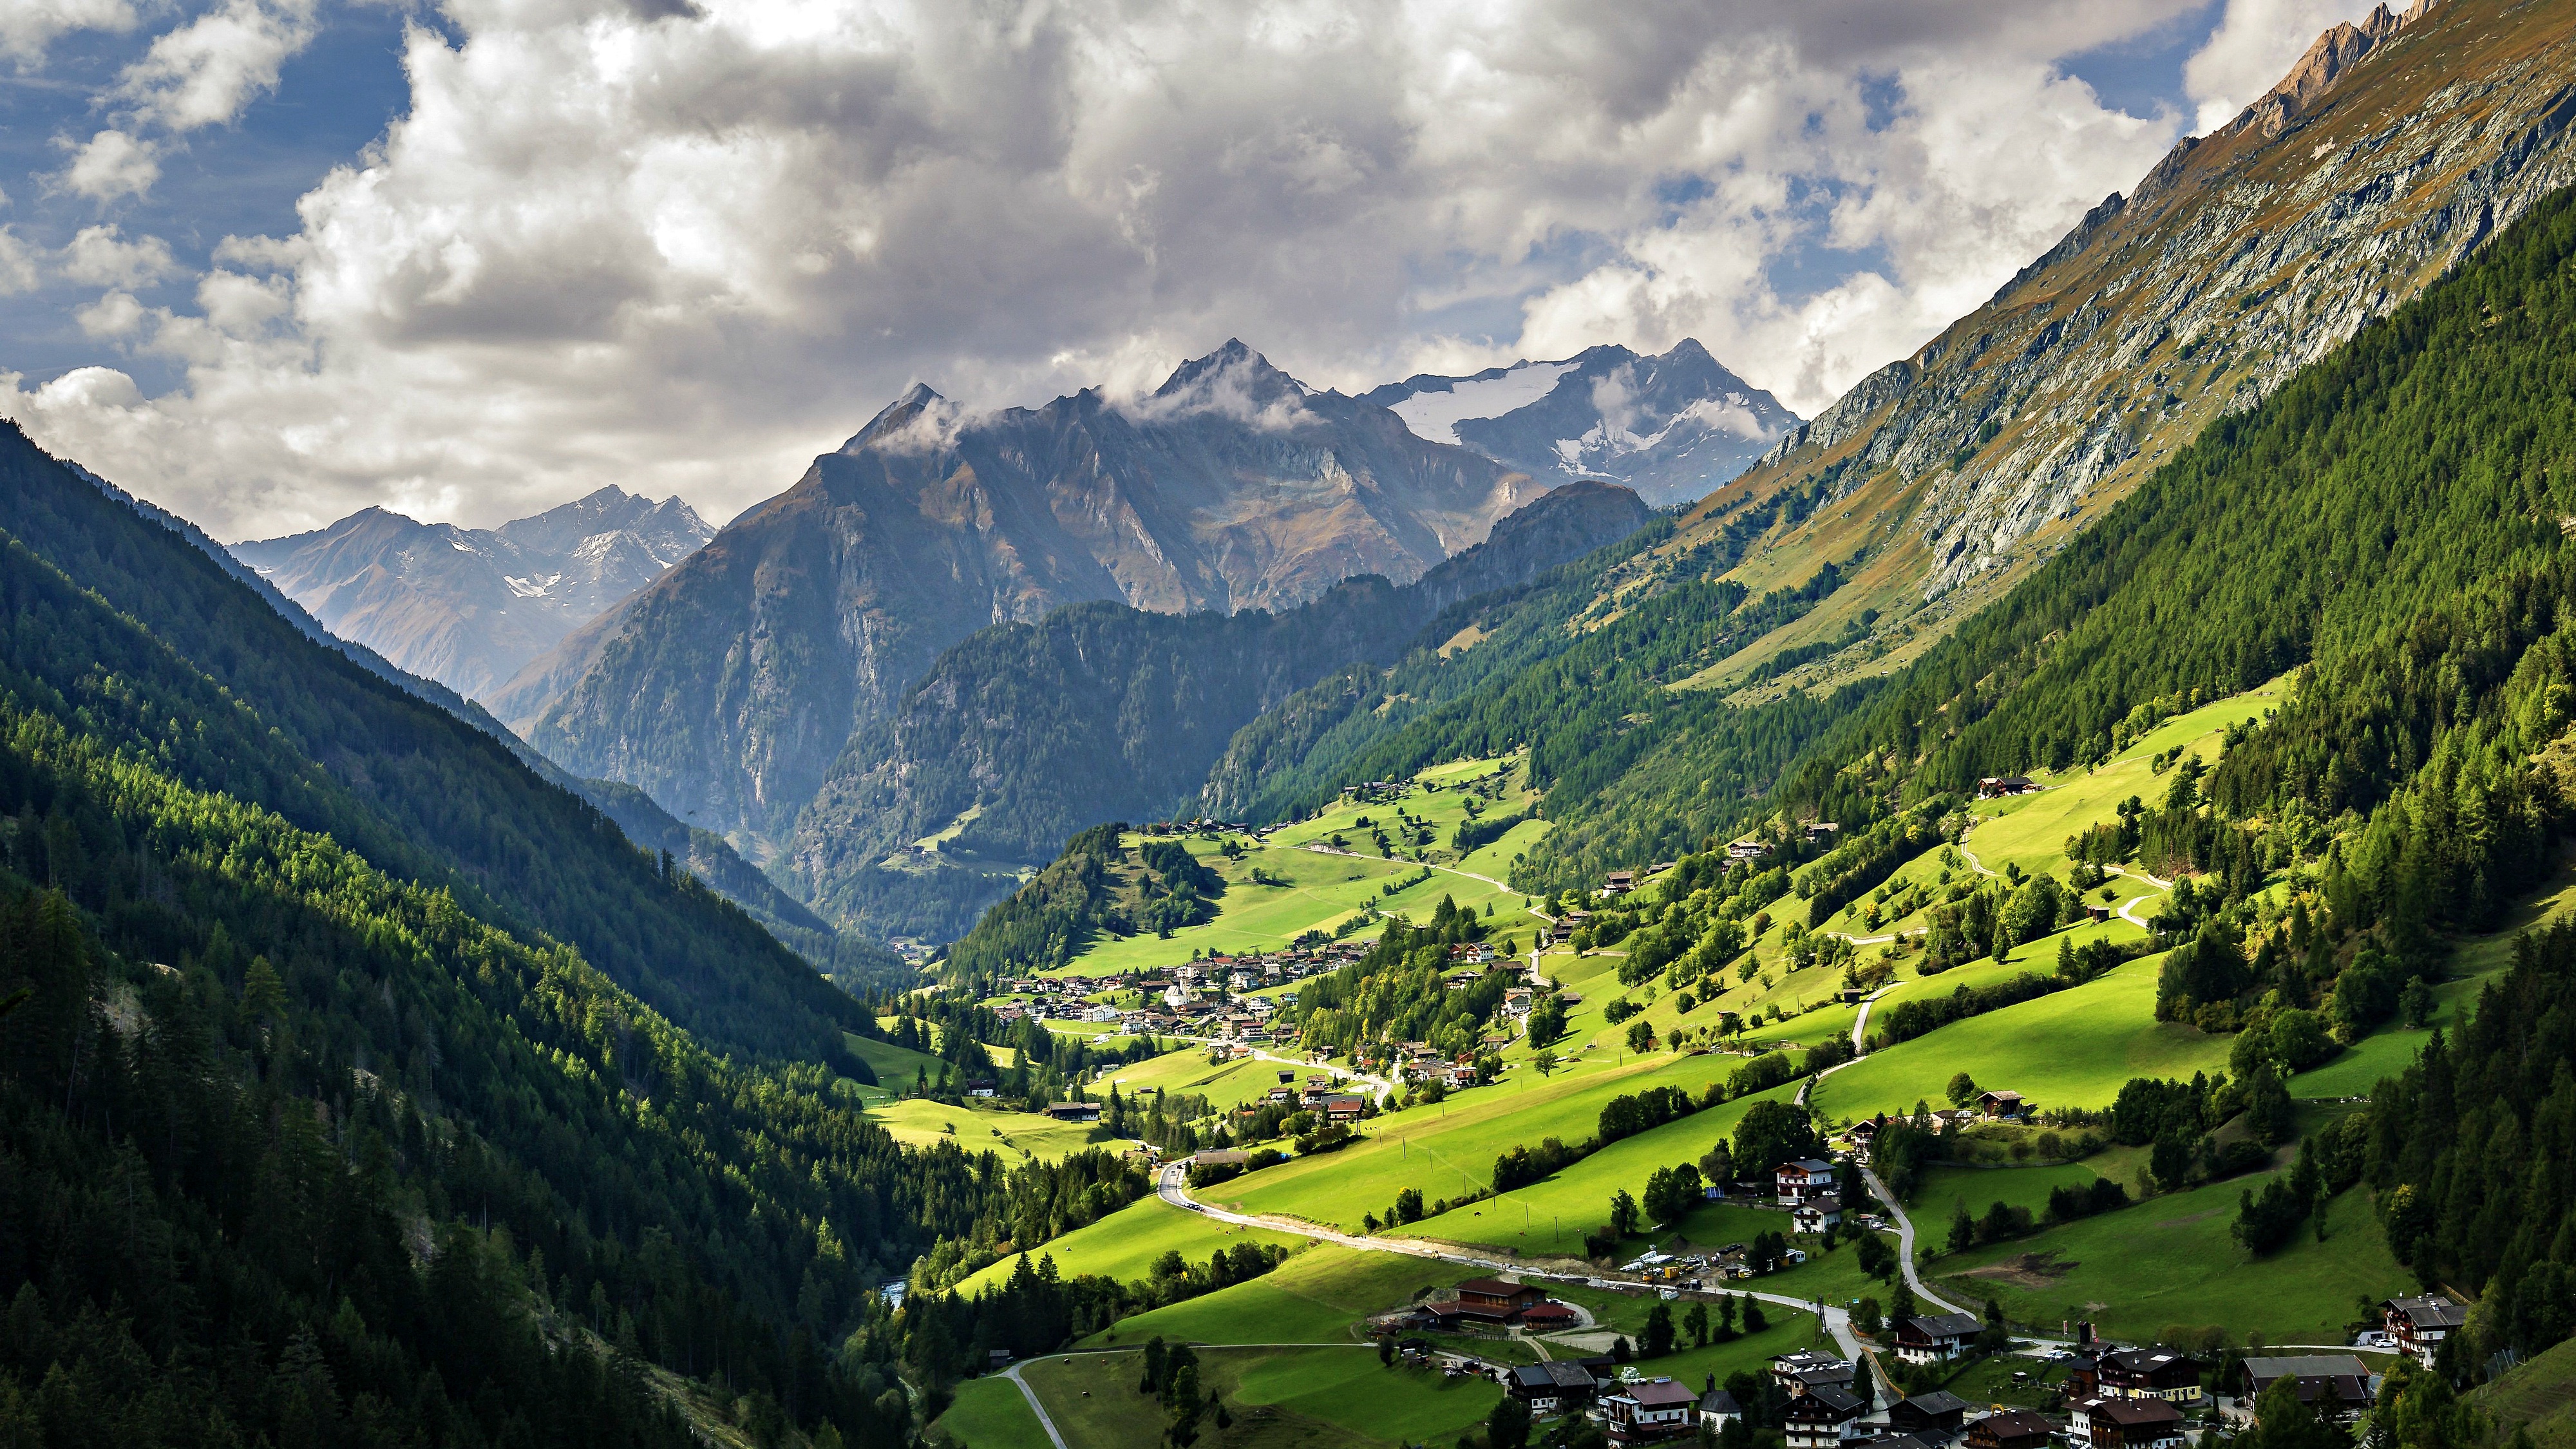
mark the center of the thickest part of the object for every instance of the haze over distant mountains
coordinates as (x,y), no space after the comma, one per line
(1673,427)
(469,607)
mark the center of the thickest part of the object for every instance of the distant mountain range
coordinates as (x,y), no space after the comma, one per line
(728,688)
(470,607)
(1674,427)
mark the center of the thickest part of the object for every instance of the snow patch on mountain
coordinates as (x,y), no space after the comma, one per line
(1435,413)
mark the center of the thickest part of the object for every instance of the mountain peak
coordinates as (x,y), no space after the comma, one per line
(1234,359)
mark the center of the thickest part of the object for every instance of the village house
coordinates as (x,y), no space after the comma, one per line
(1646,1413)
(1816,1418)
(2420,1324)
(1994,785)
(2000,1105)
(1747,849)
(1806,1180)
(2124,1424)
(1344,1110)
(2339,1387)
(1815,1217)
(1550,1388)
(1791,1370)
(1936,1415)
(2012,1429)
(1074,1111)
(2148,1373)
(1620,883)
(1937,1337)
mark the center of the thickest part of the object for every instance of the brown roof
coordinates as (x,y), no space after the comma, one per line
(2125,1412)
(2015,1424)
(1659,1396)
(1494,1287)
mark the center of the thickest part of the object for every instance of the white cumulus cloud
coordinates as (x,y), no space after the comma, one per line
(204,72)
(28,27)
(100,256)
(685,248)
(113,164)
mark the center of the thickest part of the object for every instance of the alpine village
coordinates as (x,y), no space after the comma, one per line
(2034,908)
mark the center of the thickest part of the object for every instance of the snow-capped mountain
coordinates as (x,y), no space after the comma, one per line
(467,607)
(1672,427)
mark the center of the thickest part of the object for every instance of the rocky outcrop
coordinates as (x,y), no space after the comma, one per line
(2402,143)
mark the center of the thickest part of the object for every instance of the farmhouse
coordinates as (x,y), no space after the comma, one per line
(1936,1414)
(2148,1373)
(1815,1217)
(2125,1424)
(2011,1429)
(1074,1111)
(2000,1104)
(1500,1296)
(1937,1337)
(1343,1109)
(1994,785)
(1806,1180)
(1645,1413)
(2338,1386)
(1550,1388)
(1815,1419)
(1620,883)
(2420,1324)
(1747,849)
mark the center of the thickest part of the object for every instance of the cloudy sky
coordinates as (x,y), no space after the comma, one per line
(269,261)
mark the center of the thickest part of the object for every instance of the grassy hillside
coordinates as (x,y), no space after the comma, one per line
(1449,1149)
(2537,1396)
(1124,1245)
(921,1123)
(2169,1260)
(2071,1049)
(1320,1295)
(1295,1398)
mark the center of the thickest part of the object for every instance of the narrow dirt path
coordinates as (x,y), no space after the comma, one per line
(1905,1243)
(1013,1374)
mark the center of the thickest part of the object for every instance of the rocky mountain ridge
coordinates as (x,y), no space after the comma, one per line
(1673,427)
(2392,150)
(470,607)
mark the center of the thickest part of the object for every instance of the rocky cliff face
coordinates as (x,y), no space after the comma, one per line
(1023,734)
(728,688)
(2393,149)
(470,607)
(1673,427)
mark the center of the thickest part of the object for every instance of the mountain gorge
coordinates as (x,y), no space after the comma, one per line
(1023,734)
(1673,427)
(470,607)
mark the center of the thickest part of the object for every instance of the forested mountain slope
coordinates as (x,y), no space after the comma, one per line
(419,792)
(1025,733)
(301,1148)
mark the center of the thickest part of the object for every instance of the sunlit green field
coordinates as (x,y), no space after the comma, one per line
(2073,1048)
(1124,1245)
(2170,1260)
(1320,1295)
(1551,1216)
(918,1122)
(1187,1071)
(1278,1398)
(1448,1149)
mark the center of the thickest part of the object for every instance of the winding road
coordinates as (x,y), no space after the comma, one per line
(1175,1191)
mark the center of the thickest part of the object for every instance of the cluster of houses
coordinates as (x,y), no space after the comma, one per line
(1210,998)
(1991,1106)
